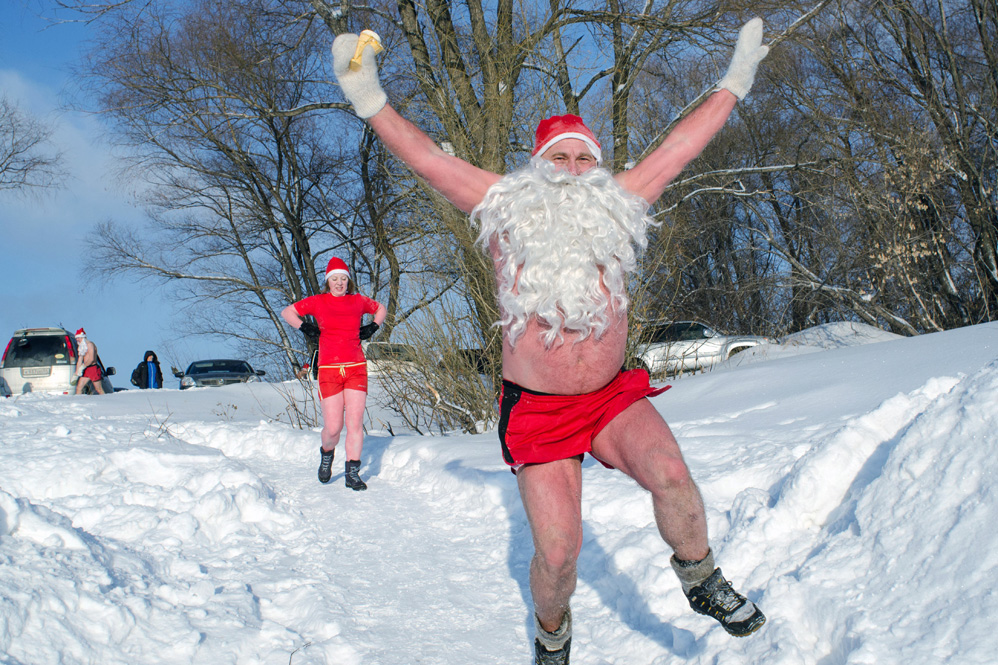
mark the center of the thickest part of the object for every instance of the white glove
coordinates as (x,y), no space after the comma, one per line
(749,52)
(362,87)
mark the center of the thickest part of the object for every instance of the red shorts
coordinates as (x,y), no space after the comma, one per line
(93,373)
(333,379)
(539,427)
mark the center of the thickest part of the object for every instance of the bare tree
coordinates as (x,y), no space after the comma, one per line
(250,192)
(897,101)
(856,182)
(27,158)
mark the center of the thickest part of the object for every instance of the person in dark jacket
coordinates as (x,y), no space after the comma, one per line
(148,374)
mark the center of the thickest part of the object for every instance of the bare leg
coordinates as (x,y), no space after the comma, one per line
(332,421)
(640,443)
(81,384)
(552,495)
(355,401)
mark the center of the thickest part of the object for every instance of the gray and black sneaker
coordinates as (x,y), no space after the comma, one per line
(715,598)
(352,476)
(544,657)
(326,465)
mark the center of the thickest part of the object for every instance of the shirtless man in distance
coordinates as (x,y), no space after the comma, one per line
(563,303)
(87,368)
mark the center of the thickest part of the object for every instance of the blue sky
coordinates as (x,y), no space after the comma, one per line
(44,235)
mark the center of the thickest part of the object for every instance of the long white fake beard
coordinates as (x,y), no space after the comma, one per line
(560,239)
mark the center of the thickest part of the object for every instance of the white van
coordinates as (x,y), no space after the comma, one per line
(43,360)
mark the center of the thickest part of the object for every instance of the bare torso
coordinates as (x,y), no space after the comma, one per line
(90,357)
(571,368)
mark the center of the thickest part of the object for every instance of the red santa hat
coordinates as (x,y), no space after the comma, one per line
(81,333)
(336,266)
(560,127)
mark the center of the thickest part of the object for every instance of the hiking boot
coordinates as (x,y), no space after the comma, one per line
(715,598)
(352,476)
(553,648)
(326,465)
(544,657)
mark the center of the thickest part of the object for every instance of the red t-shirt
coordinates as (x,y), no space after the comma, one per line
(339,324)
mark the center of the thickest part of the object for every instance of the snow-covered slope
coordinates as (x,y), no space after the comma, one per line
(850,489)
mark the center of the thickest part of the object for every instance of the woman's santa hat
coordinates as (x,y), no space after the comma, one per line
(560,127)
(336,266)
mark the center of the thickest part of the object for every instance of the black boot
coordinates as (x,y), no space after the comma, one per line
(326,465)
(352,476)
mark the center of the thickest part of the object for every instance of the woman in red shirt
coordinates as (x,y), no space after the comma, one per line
(342,367)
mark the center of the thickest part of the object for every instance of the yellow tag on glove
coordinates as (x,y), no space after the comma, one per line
(367,38)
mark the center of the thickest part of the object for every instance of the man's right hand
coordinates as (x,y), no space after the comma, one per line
(310,330)
(362,87)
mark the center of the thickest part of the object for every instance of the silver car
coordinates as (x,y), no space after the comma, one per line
(217,372)
(386,357)
(674,347)
(43,360)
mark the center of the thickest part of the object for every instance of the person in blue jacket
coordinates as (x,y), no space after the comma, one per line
(148,374)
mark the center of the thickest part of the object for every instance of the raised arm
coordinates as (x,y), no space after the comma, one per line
(461,183)
(691,135)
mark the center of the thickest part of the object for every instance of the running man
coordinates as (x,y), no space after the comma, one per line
(563,234)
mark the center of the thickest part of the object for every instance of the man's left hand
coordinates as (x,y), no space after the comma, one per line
(367,331)
(749,52)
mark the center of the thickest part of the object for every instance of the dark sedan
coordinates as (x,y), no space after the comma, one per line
(223,372)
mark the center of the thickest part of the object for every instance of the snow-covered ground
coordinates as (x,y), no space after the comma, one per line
(850,478)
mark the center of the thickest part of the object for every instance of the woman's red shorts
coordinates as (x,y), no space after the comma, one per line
(334,379)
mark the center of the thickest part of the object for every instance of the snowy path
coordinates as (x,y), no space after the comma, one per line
(445,572)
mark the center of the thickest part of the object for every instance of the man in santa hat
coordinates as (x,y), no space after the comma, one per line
(563,233)
(88,370)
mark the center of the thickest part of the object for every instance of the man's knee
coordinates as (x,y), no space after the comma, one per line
(558,552)
(668,474)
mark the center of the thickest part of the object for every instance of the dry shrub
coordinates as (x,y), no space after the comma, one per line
(440,381)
